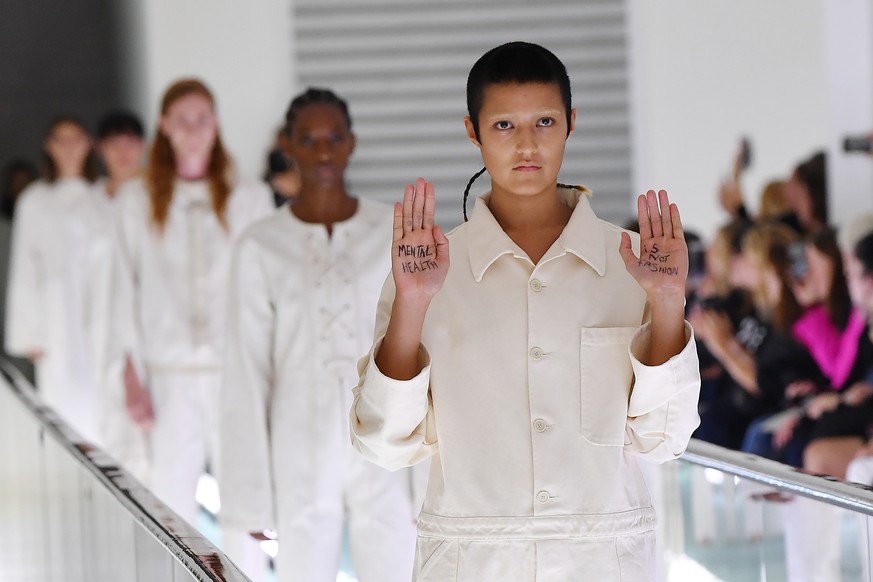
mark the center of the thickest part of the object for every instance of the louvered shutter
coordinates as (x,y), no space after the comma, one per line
(402,65)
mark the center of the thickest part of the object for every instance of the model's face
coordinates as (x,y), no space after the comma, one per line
(321,144)
(191,126)
(68,146)
(522,134)
(122,155)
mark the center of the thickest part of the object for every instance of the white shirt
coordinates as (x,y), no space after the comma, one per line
(58,285)
(533,406)
(302,311)
(172,284)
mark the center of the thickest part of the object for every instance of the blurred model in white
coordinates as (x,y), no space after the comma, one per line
(304,288)
(176,227)
(120,147)
(61,245)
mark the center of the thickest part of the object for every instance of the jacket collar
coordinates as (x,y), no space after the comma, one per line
(582,236)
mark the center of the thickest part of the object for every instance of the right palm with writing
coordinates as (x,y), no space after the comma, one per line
(420,250)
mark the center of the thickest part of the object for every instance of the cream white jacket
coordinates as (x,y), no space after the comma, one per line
(170,299)
(302,308)
(533,407)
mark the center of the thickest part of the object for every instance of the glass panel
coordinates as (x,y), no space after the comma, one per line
(69,517)
(718,527)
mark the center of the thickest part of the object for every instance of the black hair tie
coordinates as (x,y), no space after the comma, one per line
(467,190)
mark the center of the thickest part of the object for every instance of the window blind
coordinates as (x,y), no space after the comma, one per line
(402,65)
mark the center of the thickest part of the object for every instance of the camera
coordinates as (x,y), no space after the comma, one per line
(858,143)
(745,153)
(713,304)
(797,265)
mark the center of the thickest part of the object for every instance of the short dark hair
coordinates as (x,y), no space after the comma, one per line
(119,123)
(515,62)
(314,96)
(813,174)
(838,303)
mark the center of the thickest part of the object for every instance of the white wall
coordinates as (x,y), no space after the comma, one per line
(241,50)
(848,30)
(706,73)
(793,75)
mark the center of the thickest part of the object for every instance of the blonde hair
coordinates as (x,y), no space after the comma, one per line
(161,171)
(773,203)
(766,245)
(718,259)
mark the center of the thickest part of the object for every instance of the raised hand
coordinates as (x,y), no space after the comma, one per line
(662,267)
(420,250)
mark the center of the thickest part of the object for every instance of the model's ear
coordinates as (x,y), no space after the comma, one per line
(471,131)
(353,144)
(572,122)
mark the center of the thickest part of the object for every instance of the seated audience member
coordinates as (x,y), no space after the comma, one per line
(762,354)
(718,310)
(834,333)
(806,194)
(846,431)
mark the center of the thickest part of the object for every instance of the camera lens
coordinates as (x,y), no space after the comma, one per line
(857,144)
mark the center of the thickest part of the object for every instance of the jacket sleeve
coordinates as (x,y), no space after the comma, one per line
(662,410)
(392,421)
(245,472)
(26,295)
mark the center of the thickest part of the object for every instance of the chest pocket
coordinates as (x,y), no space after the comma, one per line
(606,378)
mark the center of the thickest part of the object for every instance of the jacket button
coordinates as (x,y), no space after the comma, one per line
(543,496)
(536,353)
(540,425)
(536,285)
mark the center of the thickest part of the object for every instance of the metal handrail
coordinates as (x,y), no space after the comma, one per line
(196,553)
(852,496)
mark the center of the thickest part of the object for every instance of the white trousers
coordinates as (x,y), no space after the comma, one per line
(183,442)
(376,506)
(812,540)
(860,470)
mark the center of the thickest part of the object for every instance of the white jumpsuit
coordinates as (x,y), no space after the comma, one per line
(170,309)
(57,293)
(302,310)
(533,406)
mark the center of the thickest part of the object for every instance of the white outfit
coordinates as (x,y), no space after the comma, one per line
(170,307)
(811,530)
(302,311)
(533,407)
(58,289)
